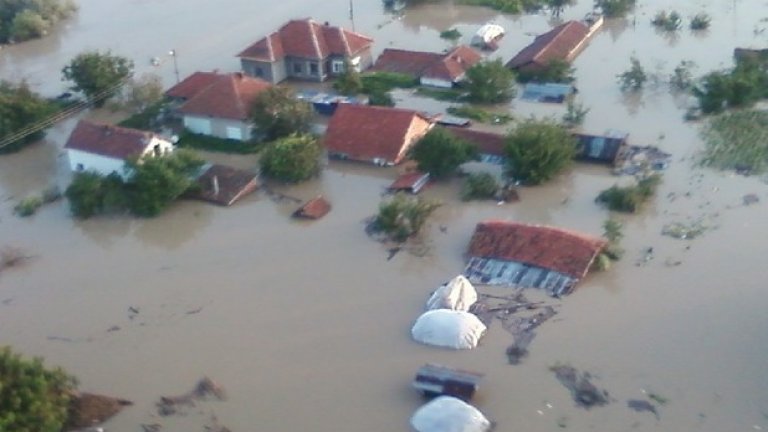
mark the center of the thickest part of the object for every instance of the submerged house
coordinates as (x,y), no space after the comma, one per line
(563,43)
(489,145)
(375,134)
(104,148)
(216,104)
(223,185)
(431,69)
(307,50)
(530,256)
(604,148)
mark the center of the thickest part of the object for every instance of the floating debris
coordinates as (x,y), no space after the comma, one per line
(205,389)
(640,405)
(634,160)
(750,199)
(684,231)
(584,393)
(88,409)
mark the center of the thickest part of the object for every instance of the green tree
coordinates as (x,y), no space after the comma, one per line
(556,70)
(98,75)
(575,113)
(634,78)
(614,8)
(480,186)
(90,194)
(155,182)
(440,153)
(700,21)
(537,150)
(682,77)
(33,398)
(21,20)
(490,82)
(28,25)
(349,82)
(20,108)
(403,216)
(277,113)
(557,6)
(139,93)
(292,159)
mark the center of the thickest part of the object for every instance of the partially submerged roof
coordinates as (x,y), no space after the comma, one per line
(216,95)
(307,39)
(412,182)
(547,92)
(559,43)
(363,132)
(449,66)
(224,185)
(565,252)
(487,143)
(313,209)
(109,140)
(600,148)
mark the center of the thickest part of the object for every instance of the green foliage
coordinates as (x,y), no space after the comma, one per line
(152,184)
(192,140)
(634,78)
(450,34)
(613,232)
(292,159)
(671,21)
(140,93)
(682,77)
(441,94)
(615,8)
(478,114)
(480,186)
(490,82)
(575,113)
(378,82)
(19,109)
(98,75)
(538,150)
(440,152)
(155,182)
(700,21)
(381,98)
(33,398)
(349,82)
(28,206)
(742,86)
(629,199)
(146,119)
(277,113)
(403,216)
(21,20)
(557,71)
(557,6)
(510,6)
(737,140)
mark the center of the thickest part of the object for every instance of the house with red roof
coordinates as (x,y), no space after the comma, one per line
(530,256)
(563,43)
(376,134)
(104,148)
(431,69)
(307,50)
(216,104)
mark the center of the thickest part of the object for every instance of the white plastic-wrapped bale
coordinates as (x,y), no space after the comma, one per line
(458,294)
(448,414)
(448,328)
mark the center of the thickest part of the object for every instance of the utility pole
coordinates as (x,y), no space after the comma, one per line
(172,53)
(352,15)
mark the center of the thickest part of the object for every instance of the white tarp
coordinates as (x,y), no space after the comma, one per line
(458,294)
(487,33)
(448,328)
(448,414)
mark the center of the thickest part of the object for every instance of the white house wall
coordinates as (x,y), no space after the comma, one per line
(82,161)
(435,82)
(218,127)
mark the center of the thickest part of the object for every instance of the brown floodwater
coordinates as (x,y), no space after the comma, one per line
(306,324)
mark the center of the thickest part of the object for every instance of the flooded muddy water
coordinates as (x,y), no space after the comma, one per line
(306,324)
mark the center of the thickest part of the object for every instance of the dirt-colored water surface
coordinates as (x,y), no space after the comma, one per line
(306,325)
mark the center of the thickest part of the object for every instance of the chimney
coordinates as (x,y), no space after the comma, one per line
(215,184)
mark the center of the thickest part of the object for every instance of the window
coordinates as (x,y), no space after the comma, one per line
(257,71)
(297,68)
(79,167)
(337,66)
(313,69)
(157,150)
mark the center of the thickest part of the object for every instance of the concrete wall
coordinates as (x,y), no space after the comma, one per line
(80,161)
(219,128)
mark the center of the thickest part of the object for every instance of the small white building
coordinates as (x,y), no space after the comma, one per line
(104,148)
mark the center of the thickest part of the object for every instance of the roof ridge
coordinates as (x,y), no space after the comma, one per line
(270,51)
(343,33)
(562,28)
(315,41)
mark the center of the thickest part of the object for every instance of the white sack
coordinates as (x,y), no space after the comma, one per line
(448,328)
(458,294)
(448,414)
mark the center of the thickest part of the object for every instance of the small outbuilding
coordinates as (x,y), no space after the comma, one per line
(449,414)
(412,182)
(224,185)
(604,148)
(448,329)
(313,209)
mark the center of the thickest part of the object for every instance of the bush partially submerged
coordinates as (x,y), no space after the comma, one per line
(737,141)
(667,21)
(629,199)
(480,186)
(403,216)
(292,159)
(538,150)
(700,21)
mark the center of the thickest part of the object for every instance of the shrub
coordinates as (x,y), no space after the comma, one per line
(700,21)
(479,115)
(403,216)
(682,78)
(537,150)
(575,113)
(634,78)
(557,71)
(28,25)
(480,186)
(33,398)
(667,21)
(615,8)
(374,82)
(451,34)
(292,159)
(629,199)
(737,140)
(349,82)
(28,206)
(380,98)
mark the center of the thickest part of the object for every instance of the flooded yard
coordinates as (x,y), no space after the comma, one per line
(306,324)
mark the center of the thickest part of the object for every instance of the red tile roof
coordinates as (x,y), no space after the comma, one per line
(363,132)
(485,142)
(192,85)
(108,140)
(552,248)
(232,183)
(313,209)
(227,96)
(307,39)
(556,44)
(413,182)
(449,66)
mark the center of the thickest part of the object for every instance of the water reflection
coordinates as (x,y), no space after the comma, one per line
(616,27)
(632,101)
(446,16)
(177,226)
(105,231)
(28,171)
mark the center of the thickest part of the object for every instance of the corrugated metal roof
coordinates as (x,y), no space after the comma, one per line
(491,271)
